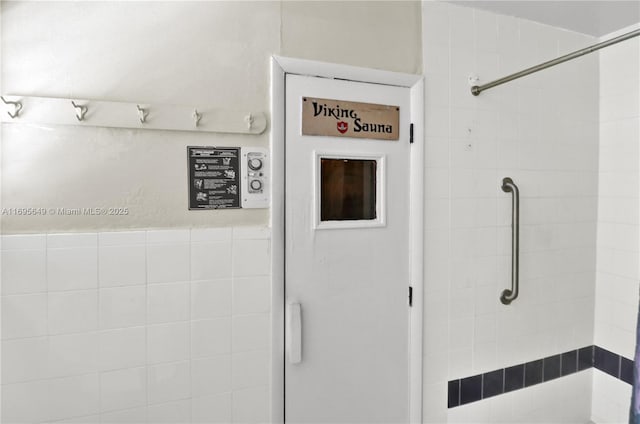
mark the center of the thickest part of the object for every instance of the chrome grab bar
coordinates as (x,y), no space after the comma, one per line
(508,186)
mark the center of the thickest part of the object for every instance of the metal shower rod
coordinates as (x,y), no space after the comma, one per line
(477,89)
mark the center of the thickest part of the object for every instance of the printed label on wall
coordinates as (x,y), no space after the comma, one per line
(214,177)
(336,118)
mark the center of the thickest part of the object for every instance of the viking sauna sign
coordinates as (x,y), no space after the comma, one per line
(336,118)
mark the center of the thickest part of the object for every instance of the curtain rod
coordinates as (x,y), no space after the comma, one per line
(477,89)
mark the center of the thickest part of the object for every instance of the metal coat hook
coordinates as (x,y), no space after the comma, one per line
(196,117)
(143,114)
(16,105)
(81,110)
(249,120)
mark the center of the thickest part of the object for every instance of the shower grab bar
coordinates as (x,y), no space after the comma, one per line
(509,295)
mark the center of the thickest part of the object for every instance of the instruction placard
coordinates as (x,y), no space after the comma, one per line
(214,177)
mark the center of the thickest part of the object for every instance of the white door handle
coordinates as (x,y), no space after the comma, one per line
(294,333)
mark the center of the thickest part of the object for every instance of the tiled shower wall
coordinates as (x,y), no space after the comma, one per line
(142,326)
(542,131)
(617,271)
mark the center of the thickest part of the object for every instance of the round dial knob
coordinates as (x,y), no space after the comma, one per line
(256,184)
(255,164)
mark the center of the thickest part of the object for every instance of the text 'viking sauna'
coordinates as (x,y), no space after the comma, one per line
(358,126)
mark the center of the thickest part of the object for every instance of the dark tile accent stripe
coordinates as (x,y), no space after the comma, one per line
(533,373)
(569,363)
(503,380)
(613,364)
(454,393)
(606,361)
(493,383)
(470,389)
(551,367)
(585,358)
(514,378)
(626,370)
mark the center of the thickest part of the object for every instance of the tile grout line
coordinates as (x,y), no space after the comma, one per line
(232,353)
(190,345)
(98,324)
(146,326)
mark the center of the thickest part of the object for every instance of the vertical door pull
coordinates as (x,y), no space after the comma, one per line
(294,333)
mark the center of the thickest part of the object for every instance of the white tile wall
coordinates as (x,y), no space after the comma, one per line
(258,398)
(122,265)
(168,342)
(123,389)
(211,409)
(611,399)
(121,307)
(74,268)
(212,375)
(168,262)
(135,415)
(212,299)
(24,315)
(168,382)
(73,354)
(123,348)
(542,131)
(23,271)
(72,311)
(73,396)
(169,412)
(138,326)
(210,337)
(617,272)
(168,302)
(204,269)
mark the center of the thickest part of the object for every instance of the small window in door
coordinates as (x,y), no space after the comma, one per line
(348,189)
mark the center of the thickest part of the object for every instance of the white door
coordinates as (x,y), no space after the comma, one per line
(348,341)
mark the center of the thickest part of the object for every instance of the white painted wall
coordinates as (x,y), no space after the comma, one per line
(617,271)
(543,132)
(189,53)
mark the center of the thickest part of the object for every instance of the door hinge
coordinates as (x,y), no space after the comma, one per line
(410,296)
(411,134)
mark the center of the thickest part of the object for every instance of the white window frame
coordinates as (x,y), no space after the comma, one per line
(381,209)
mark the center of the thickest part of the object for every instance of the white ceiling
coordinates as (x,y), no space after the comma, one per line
(596,18)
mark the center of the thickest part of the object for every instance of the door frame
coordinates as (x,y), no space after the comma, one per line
(280,67)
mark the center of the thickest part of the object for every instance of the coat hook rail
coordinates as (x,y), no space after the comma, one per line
(17,107)
(81,110)
(135,115)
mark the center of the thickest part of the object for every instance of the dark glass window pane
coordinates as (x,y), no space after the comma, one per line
(347,189)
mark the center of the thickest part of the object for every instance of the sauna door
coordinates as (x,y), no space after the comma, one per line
(346,256)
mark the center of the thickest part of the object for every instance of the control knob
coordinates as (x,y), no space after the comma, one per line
(255,163)
(256,185)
